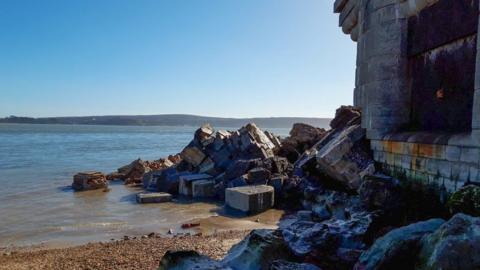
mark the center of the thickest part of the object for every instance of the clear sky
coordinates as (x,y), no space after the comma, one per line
(230,58)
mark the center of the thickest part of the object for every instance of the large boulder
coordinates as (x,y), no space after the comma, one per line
(257,251)
(332,244)
(455,245)
(345,116)
(397,249)
(466,200)
(89,181)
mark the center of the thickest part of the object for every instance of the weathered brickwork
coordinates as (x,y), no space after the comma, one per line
(423,122)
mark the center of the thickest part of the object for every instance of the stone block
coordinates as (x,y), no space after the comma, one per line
(452,153)
(157,197)
(277,182)
(186,181)
(89,181)
(419,164)
(193,155)
(470,155)
(203,189)
(431,151)
(250,199)
(259,175)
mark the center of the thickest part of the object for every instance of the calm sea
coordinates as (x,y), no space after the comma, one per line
(37,163)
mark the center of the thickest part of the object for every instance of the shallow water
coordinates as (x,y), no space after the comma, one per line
(37,163)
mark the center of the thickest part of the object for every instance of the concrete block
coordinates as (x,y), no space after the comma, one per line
(250,199)
(451,185)
(186,187)
(277,183)
(157,197)
(452,153)
(203,189)
(475,174)
(470,155)
(193,155)
(431,151)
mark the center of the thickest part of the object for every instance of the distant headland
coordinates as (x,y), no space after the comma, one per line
(169,120)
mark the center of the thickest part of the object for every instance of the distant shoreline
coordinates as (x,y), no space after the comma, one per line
(173,120)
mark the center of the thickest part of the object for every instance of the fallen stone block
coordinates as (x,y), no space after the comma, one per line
(259,175)
(277,183)
(193,155)
(250,199)
(157,197)
(186,181)
(89,181)
(203,189)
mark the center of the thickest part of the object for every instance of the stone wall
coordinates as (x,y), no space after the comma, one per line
(386,44)
(432,161)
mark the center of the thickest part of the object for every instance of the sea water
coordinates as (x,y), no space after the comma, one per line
(37,163)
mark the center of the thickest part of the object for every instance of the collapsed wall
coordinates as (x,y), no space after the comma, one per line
(418,86)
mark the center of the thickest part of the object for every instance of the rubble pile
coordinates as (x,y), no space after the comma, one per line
(134,172)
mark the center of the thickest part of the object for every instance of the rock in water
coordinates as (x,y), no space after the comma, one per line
(157,197)
(397,249)
(186,183)
(466,200)
(257,251)
(89,181)
(455,245)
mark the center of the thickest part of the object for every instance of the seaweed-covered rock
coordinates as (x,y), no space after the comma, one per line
(466,200)
(455,245)
(397,249)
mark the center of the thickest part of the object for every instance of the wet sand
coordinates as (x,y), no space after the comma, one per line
(143,253)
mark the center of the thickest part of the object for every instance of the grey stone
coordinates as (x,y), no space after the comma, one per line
(155,197)
(250,199)
(186,181)
(257,251)
(203,189)
(398,248)
(455,245)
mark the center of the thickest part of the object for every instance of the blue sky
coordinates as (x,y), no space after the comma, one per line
(230,58)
